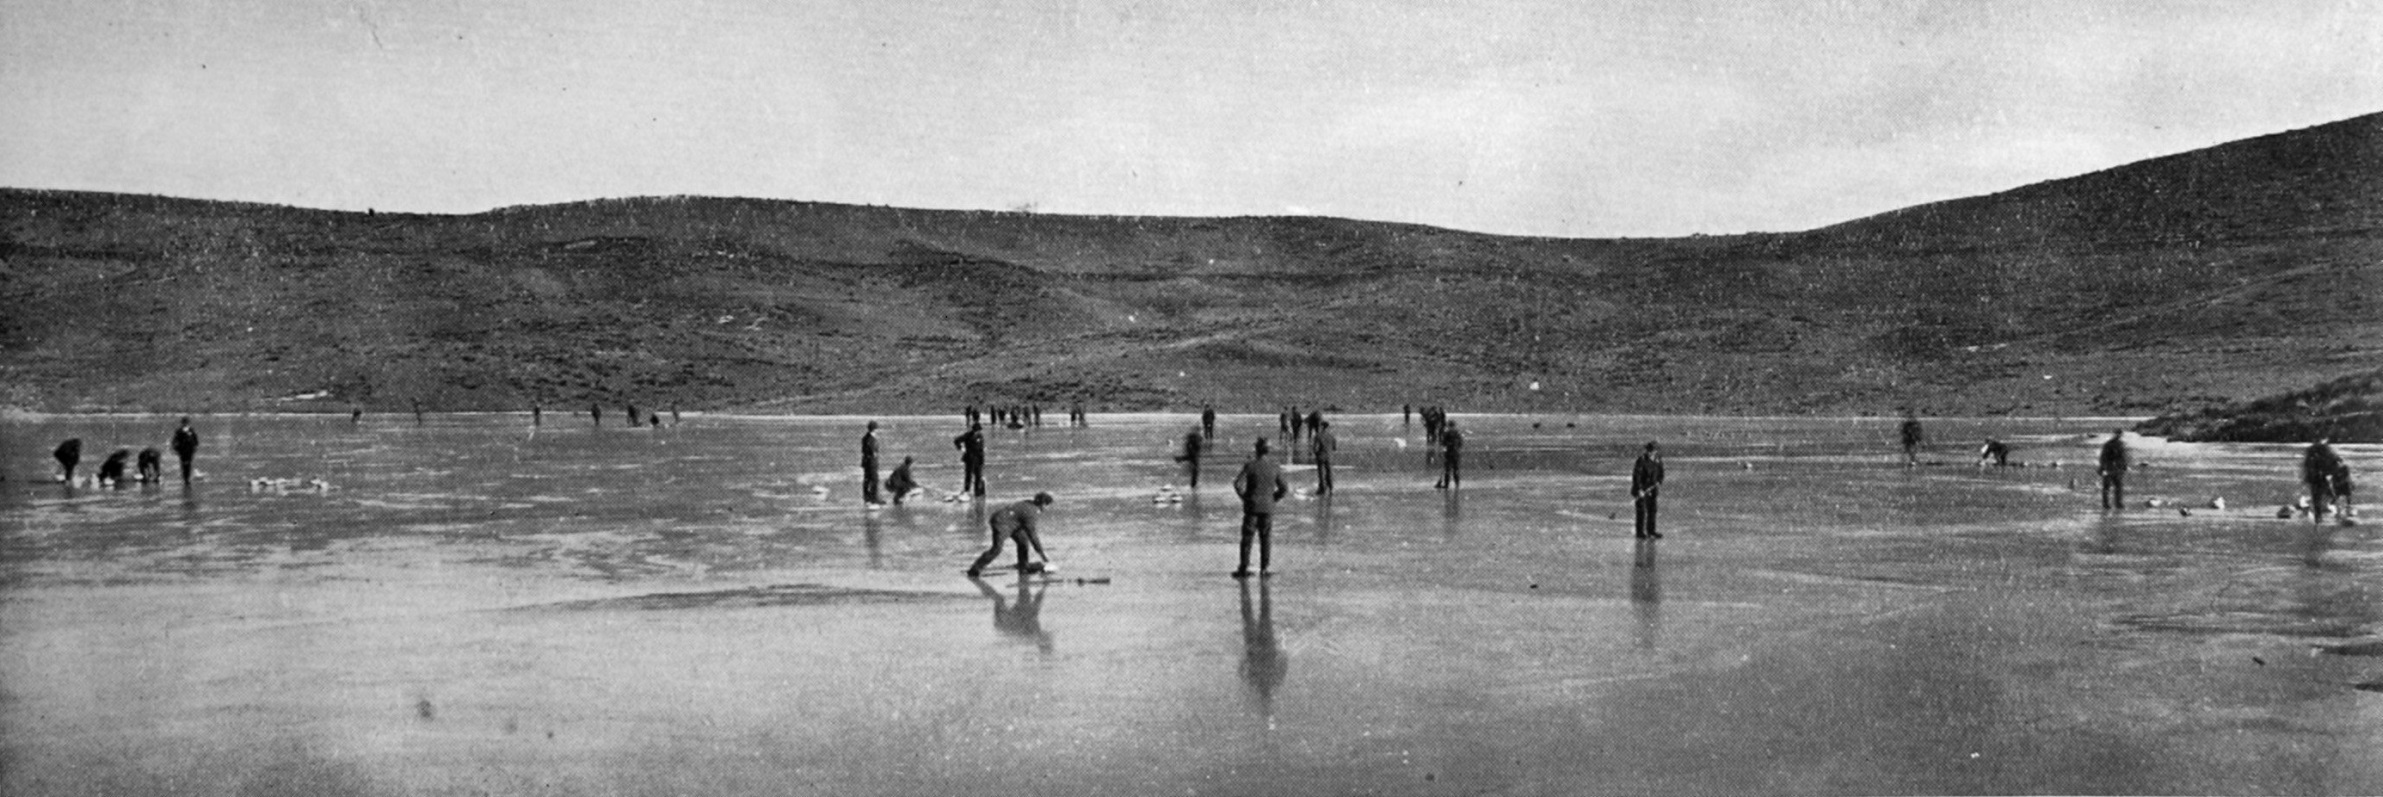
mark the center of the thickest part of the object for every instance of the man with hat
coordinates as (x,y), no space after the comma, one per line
(1646,480)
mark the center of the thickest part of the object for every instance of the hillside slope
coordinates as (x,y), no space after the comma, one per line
(2222,274)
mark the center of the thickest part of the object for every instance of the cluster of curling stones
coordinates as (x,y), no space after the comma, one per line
(262,484)
(2303,508)
(1166,496)
(2300,509)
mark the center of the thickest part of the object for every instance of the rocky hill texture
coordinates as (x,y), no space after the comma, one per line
(2349,409)
(2210,276)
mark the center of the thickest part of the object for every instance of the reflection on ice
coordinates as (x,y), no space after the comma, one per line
(1646,593)
(1263,663)
(1021,619)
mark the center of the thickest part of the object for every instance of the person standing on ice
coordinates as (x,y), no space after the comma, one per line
(1452,446)
(971,444)
(1016,523)
(869,465)
(186,446)
(1913,436)
(2113,468)
(1259,484)
(2317,468)
(1321,445)
(1192,443)
(1646,481)
(1208,422)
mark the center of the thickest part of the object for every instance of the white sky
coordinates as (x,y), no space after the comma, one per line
(1572,118)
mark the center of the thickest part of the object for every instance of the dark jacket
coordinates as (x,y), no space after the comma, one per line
(186,442)
(869,450)
(1260,484)
(2317,467)
(971,444)
(2114,457)
(1015,518)
(1646,476)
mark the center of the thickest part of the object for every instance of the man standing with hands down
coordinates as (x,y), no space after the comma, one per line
(869,465)
(186,446)
(971,444)
(1646,479)
(1259,484)
(2114,465)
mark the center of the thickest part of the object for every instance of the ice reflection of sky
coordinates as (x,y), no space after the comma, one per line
(711,598)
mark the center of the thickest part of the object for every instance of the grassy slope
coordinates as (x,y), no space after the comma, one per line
(2221,274)
(2349,409)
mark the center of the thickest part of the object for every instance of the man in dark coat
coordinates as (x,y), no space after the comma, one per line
(1452,446)
(1995,451)
(1913,436)
(971,444)
(1646,482)
(2113,468)
(1259,484)
(899,482)
(1208,422)
(151,466)
(186,446)
(111,472)
(68,454)
(869,465)
(1016,523)
(1321,445)
(2317,468)
(1192,443)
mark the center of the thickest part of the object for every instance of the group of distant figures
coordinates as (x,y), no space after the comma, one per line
(1020,416)
(595,414)
(148,468)
(1259,484)
(2323,472)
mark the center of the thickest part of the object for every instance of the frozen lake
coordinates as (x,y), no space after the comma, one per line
(707,609)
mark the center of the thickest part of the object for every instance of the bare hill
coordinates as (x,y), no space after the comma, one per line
(2222,274)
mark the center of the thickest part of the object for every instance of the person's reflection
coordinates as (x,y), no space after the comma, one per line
(869,535)
(1324,519)
(1451,509)
(1023,619)
(2313,546)
(2105,537)
(1646,594)
(1263,663)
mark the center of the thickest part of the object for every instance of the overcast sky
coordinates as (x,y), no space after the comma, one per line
(1571,118)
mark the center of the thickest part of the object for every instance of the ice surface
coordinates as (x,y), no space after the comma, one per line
(473,605)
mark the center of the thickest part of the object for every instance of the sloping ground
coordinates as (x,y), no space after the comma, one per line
(2210,276)
(2348,410)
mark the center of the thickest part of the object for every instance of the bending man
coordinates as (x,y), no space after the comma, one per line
(1015,523)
